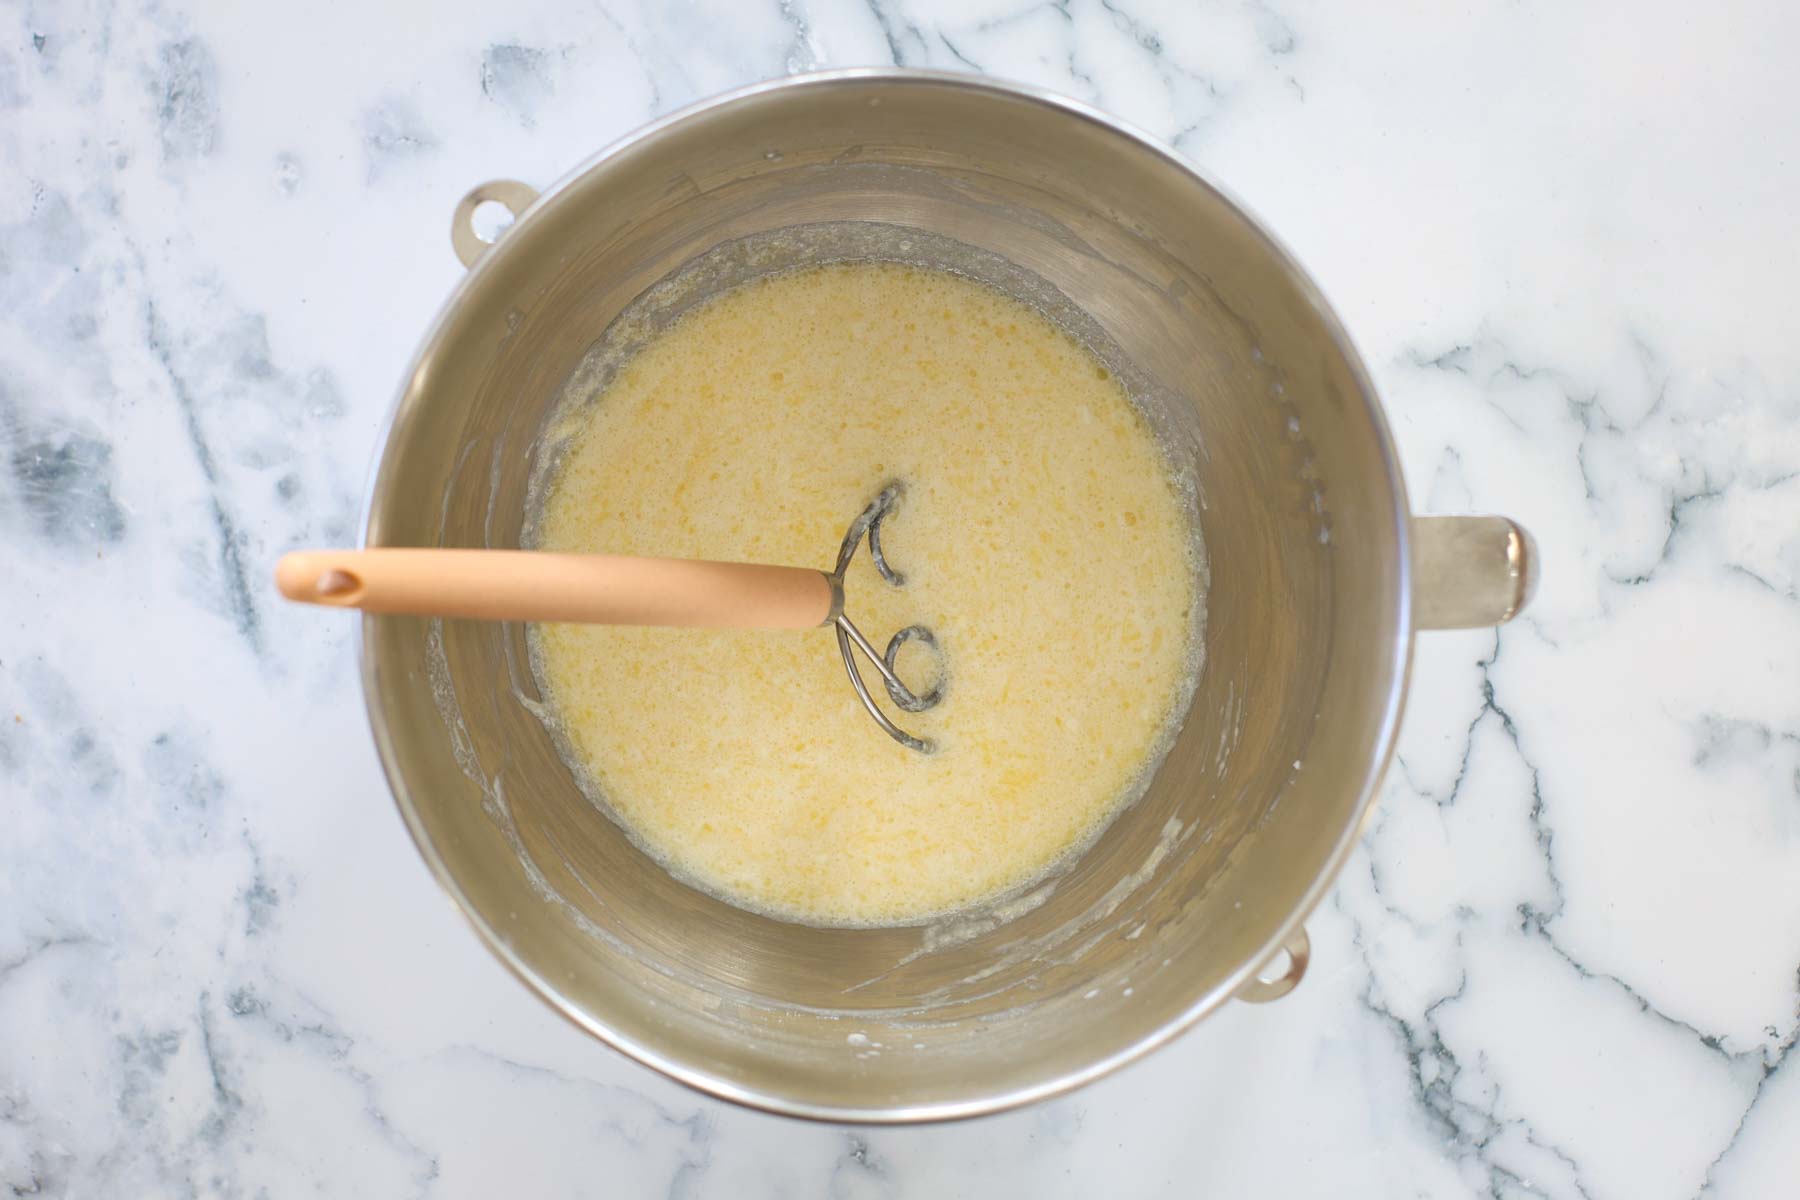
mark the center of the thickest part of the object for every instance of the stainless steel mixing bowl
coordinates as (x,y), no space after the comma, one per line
(1320,575)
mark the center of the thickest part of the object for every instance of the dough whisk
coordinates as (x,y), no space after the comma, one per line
(609,589)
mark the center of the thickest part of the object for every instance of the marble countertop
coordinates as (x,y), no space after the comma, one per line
(1564,961)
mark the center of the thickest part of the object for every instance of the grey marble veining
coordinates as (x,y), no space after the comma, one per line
(1565,960)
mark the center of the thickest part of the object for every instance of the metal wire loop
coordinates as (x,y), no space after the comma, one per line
(868,524)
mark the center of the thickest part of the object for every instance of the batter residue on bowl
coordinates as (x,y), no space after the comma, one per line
(1042,537)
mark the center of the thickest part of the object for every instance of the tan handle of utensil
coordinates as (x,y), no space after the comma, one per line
(526,585)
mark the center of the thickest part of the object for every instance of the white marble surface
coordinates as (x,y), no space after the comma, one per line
(1563,963)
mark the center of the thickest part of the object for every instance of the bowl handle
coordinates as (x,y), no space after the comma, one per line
(1470,572)
(468,244)
(1298,948)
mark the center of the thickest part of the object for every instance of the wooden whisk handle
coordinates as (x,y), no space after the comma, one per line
(528,585)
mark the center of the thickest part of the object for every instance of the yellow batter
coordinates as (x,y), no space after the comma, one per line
(1042,538)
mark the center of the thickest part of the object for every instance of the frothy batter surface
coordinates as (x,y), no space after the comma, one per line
(1042,538)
